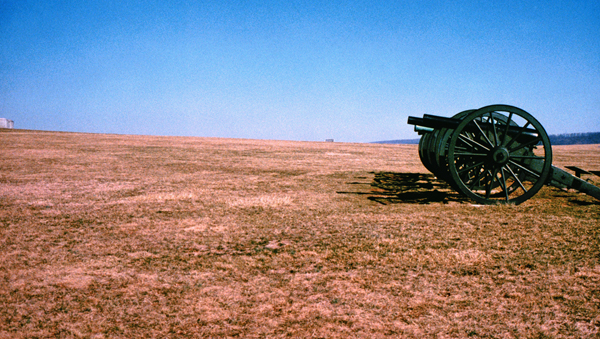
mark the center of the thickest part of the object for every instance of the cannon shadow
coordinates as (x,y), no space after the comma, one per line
(407,188)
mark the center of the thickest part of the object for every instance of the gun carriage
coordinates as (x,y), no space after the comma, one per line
(497,154)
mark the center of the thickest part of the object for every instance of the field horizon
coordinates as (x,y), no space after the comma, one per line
(109,235)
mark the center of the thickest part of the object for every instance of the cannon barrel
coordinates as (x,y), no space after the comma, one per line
(434,121)
(497,154)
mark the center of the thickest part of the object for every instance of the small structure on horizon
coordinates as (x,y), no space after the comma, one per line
(328,140)
(6,123)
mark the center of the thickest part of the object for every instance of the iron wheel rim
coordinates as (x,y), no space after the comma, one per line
(496,162)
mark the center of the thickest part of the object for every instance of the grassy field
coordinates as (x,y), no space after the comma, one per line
(106,236)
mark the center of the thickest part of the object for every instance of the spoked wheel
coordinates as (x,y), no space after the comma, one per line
(439,149)
(433,149)
(424,154)
(499,154)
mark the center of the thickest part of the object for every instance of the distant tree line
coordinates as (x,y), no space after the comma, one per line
(556,139)
(575,138)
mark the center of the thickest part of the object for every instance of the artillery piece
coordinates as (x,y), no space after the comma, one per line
(497,154)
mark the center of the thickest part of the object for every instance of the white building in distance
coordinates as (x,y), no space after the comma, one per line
(6,123)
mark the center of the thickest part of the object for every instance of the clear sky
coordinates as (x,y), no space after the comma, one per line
(294,70)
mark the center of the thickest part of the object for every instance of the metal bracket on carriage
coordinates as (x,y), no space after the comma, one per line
(578,171)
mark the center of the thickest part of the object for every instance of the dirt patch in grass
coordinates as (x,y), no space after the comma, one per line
(137,236)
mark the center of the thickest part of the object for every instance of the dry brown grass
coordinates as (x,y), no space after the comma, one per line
(136,236)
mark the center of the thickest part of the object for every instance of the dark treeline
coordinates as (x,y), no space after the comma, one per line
(556,139)
(575,138)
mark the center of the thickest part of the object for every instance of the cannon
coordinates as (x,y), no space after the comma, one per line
(498,154)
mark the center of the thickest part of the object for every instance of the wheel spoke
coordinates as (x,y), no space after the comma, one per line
(518,134)
(477,179)
(488,189)
(506,129)
(537,175)
(516,178)
(526,157)
(493,123)
(469,141)
(463,170)
(471,154)
(503,182)
(483,134)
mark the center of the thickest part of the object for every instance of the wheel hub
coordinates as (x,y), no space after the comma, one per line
(500,156)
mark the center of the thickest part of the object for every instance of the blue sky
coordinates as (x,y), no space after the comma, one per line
(294,70)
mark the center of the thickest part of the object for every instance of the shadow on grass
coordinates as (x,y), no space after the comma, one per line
(408,188)
(571,196)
